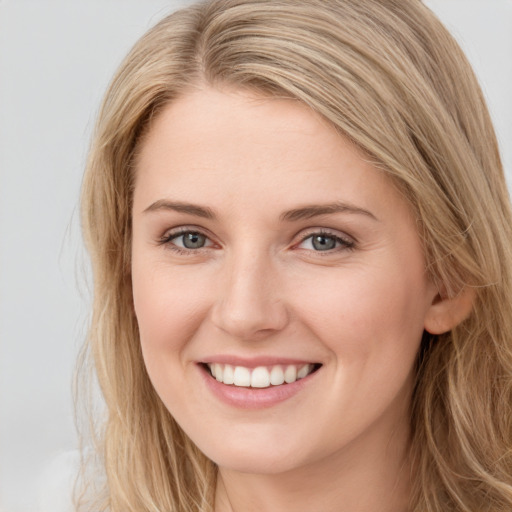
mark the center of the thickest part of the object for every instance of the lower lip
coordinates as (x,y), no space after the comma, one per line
(254,398)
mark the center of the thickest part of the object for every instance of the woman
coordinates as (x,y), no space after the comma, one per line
(300,236)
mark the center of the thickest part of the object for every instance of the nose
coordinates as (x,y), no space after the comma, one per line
(250,303)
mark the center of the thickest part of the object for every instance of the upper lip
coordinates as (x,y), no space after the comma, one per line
(254,362)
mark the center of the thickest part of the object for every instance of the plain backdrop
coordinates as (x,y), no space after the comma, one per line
(56,58)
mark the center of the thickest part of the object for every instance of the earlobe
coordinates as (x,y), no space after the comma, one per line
(445,313)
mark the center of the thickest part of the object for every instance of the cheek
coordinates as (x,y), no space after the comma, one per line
(372,327)
(371,314)
(169,307)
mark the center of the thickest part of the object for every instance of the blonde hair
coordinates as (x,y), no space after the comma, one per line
(389,77)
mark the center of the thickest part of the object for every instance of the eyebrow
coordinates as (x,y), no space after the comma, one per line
(305,212)
(311,211)
(177,206)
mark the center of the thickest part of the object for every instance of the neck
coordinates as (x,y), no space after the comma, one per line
(374,476)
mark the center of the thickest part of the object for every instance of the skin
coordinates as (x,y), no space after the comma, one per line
(260,288)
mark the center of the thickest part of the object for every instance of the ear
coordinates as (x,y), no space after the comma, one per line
(445,313)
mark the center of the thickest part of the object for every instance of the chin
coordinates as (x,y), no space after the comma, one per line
(256,463)
(250,454)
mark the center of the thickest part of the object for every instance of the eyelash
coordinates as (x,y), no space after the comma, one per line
(345,243)
(167,240)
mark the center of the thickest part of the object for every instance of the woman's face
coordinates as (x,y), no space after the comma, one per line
(268,251)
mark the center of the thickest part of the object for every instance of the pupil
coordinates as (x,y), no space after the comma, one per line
(193,240)
(323,243)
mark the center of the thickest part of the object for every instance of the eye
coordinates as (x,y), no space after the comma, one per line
(187,240)
(324,242)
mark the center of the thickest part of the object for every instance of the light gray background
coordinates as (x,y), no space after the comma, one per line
(56,58)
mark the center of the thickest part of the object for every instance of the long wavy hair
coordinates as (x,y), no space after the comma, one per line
(387,75)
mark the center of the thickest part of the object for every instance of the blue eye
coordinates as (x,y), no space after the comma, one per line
(323,242)
(189,240)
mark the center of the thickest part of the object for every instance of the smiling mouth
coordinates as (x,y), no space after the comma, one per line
(261,376)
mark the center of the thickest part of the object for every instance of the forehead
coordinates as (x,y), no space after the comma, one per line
(227,116)
(223,146)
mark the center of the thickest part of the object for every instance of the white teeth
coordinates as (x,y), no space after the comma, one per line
(242,377)
(300,374)
(290,374)
(259,377)
(229,374)
(218,372)
(276,376)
